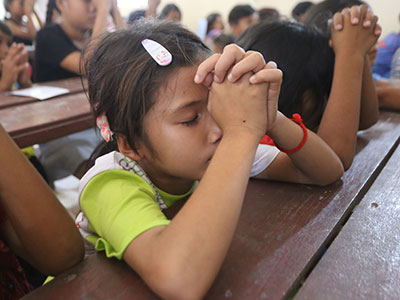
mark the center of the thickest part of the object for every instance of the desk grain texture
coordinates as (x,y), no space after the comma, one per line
(363,262)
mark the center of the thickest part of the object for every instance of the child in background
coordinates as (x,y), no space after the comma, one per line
(240,18)
(167,128)
(300,10)
(171,12)
(59,46)
(53,13)
(14,66)
(317,88)
(33,224)
(58,56)
(23,32)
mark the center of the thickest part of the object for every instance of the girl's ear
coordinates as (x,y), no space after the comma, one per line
(59,4)
(126,149)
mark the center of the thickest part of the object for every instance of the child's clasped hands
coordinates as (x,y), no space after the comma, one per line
(244,91)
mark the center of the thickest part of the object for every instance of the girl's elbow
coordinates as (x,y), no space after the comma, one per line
(347,162)
(333,176)
(176,284)
(66,258)
(368,123)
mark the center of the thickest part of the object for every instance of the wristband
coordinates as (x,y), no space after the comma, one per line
(297,119)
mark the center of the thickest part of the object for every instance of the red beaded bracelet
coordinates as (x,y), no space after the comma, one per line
(297,119)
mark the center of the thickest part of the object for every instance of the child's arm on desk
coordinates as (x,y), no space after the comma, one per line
(37,226)
(341,119)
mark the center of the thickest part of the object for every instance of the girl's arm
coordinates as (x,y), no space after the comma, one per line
(369,101)
(314,163)
(38,228)
(151,11)
(116,15)
(341,118)
(195,243)
(389,93)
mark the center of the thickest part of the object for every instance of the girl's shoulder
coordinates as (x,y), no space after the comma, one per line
(106,164)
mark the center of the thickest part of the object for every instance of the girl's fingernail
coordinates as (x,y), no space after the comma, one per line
(273,64)
(367,23)
(355,20)
(230,77)
(378,32)
(216,79)
(252,79)
(338,26)
(197,78)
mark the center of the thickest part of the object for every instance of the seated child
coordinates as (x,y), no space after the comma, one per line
(173,137)
(14,66)
(59,46)
(23,31)
(323,82)
(33,224)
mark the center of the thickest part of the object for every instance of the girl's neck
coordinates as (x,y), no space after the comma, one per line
(75,34)
(167,183)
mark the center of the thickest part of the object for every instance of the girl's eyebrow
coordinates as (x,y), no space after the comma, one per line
(187,104)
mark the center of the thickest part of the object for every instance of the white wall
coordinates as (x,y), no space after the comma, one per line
(193,10)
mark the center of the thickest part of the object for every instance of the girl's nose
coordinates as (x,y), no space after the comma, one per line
(215,133)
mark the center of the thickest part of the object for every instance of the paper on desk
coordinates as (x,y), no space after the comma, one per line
(40,92)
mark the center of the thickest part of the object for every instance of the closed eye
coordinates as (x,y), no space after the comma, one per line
(191,122)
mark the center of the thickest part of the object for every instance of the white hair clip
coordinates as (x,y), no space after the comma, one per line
(161,55)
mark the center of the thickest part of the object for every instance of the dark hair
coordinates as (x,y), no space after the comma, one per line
(224,39)
(269,14)
(239,12)
(136,15)
(6,3)
(300,9)
(211,20)
(167,9)
(5,29)
(319,14)
(304,56)
(124,80)
(51,6)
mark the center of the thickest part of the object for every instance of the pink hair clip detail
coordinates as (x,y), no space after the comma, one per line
(158,52)
(104,126)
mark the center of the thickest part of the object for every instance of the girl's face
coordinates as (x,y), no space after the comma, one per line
(182,132)
(80,14)
(16,9)
(218,24)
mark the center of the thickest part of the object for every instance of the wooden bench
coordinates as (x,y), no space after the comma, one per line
(41,121)
(363,262)
(282,232)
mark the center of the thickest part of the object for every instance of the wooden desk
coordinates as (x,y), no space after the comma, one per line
(282,232)
(73,84)
(363,262)
(41,121)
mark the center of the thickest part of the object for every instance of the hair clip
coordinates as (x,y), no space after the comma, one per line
(104,126)
(161,55)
